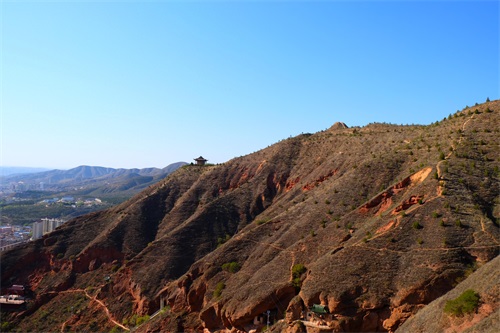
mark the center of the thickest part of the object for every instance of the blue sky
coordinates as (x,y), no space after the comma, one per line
(134,84)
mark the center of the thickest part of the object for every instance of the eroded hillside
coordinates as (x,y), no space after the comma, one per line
(373,222)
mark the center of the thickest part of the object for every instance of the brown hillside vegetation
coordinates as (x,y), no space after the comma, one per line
(373,222)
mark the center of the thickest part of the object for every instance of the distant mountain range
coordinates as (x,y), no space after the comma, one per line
(91,180)
(83,172)
(112,186)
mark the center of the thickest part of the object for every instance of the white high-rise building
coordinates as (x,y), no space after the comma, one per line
(37,231)
(45,226)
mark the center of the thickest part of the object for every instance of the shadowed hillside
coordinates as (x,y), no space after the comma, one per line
(372,222)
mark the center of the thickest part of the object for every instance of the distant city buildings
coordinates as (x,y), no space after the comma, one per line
(44,227)
(12,235)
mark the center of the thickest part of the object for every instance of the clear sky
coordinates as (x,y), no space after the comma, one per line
(145,84)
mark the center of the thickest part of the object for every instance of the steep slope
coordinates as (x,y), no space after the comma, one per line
(384,219)
(486,282)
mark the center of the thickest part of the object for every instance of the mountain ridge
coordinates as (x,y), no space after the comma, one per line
(384,219)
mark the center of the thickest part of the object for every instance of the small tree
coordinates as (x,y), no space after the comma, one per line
(219,288)
(466,303)
(231,267)
(297,271)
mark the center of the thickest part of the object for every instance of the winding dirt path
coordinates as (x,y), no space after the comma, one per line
(92,298)
(453,148)
(106,310)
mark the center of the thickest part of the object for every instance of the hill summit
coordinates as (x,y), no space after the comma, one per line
(353,230)
(338,125)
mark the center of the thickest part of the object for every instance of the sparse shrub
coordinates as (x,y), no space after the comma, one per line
(436,215)
(5,327)
(420,241)
(219,288)
(466,303)
(297,271)
(231,267)
(327,202)
(441,156)
(442,223)
(262,221)
(312,233)
(222,240)
(140,320)
(60,256)
(416,225)
(458,223)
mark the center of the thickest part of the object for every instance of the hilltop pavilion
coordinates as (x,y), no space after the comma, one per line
(200,161)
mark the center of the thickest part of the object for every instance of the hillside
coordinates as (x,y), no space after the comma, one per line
(373,222)
(486,282)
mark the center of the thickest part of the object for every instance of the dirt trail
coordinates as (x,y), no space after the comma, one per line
(453,148)
(92,298)
(106,310)
(431,248)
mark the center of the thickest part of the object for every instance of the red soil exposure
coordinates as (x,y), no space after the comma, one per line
(275,182)
(413,200)
(291,184)
(385,227)
(93,257)
(313,184)
(384,200)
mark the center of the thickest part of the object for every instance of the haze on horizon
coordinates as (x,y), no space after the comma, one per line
(134,85)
